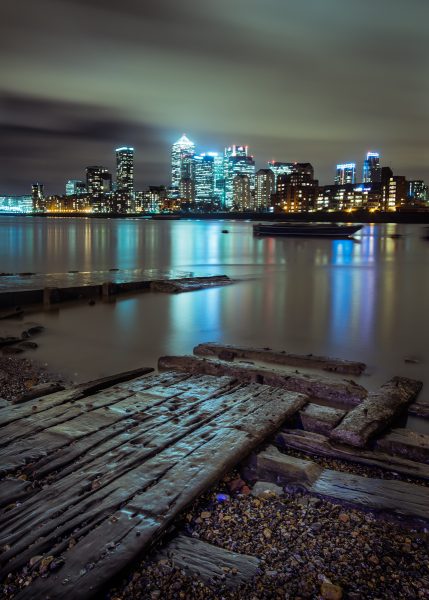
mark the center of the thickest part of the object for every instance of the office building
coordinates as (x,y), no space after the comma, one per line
(395,193)
(346,173)
(280,168)
(75,187)
(372,168)
(16,204)
(204,177)
(125,170)
(182,152)
(417,191)
(237,161)
(264,188)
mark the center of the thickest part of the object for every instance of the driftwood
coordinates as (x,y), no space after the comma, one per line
(226,352)
(391,497)
(406,443)
(320,386)
(122,464)
(377,412)
(175,286)
(320,419)
(320,445)
(209,563)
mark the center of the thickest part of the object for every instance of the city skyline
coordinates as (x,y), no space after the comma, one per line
(314,81)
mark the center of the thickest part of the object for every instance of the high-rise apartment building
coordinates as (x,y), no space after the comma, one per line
(418,190)
(280,168)
(264,188)
(242,197)
(125,170)
(372,168)
(346,173)
(98,180)
(237,161)
(75,187)
(182,153)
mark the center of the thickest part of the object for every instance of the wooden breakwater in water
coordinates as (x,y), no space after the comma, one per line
(108,289)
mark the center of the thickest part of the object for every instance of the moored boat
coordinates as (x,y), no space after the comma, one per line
(306,229)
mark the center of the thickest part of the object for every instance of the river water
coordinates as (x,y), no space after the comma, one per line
(364,299)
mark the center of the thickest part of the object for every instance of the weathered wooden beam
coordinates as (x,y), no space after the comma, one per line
(229,352)
(391,497)
(128,499)
(320,386)
(41,389)
(320,445)
(190,284)
(419,409)
(405,443)
(320,419)
(209,563)
(377,412)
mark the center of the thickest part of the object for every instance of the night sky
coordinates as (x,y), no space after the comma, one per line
(316,80)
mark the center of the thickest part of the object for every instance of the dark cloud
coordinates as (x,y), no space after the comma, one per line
(319,81)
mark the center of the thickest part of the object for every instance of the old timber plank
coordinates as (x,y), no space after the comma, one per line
(13,413)
(228,352)
(320,419)
(210,563)
(319,386)
(391,497)
(406,443)
(190,284)
(120,517)
(419,409)
(320,445)
(377,412)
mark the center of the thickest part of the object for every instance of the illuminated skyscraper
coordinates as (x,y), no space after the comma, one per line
(418,190)
(98,180)
(371,168)
(182,152)
(75,187)
(280,168)
(237,162)
(204,177)
(346,173)
(125,170)
(264,188)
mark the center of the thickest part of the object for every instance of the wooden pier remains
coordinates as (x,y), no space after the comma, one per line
(93,476)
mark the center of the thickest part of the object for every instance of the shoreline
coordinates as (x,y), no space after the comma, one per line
(410,217)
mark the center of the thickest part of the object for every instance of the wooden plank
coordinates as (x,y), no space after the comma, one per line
(419,409)
(320,419)
(406,443)
(123,537)
(82,390)
(377,412)
(321,445)
(319,386)
(129,509)
(41,389)
(391,497)
(229,352)
(210,563)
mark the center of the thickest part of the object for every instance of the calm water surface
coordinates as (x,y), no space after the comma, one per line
(366,299)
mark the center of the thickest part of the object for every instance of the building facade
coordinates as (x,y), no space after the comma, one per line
(125,170)
(264,189)
(98,180)
(237,161)
(242,196)
(346,173)
(371,168)
(75,187)
(182,153)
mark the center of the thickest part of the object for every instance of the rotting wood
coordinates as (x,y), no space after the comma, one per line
(377,412)
(175,286)
(229,352)
(38,390)
(320,445)
(419,409)
(115,503)
(81,390)
(318,386)
(211,564)
(405,443)
(320,419)
(391,497)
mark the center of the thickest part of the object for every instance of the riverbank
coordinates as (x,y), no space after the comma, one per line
(356,216)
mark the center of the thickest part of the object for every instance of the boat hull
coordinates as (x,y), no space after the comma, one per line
(332,231)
